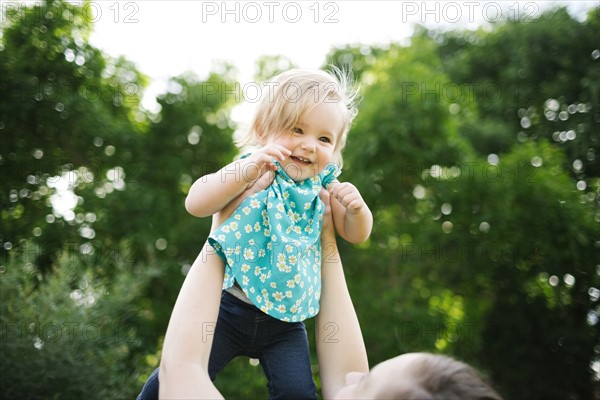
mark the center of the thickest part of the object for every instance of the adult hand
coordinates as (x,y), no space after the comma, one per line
(328,231)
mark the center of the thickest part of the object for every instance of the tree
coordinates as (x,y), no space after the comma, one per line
(465,262)
(526,275)
(485,199)
(66,109)
(72,127)
(547,85)
(72,335)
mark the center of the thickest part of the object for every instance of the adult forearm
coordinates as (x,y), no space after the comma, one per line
(191,382)
(188,341)
(339,341)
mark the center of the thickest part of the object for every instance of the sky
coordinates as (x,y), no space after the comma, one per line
(166,38)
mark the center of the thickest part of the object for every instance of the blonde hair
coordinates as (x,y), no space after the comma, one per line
(290,95)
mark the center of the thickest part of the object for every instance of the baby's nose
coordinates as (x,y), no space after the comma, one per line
(308,144)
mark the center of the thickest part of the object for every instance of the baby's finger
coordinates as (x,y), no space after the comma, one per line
(277,151)
(346,200)
(263,182)
(355,205)
(334,188)
(266,160)
(271,166)
(341,191)
(283,149)
(333,184)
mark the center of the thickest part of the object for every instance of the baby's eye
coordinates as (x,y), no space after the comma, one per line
(299,131)
(325,139)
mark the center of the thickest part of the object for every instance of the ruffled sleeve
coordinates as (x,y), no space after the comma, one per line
(329,174)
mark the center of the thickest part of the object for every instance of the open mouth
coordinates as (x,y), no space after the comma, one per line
(301,160)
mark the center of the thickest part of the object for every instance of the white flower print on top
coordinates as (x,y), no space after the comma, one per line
(290,259)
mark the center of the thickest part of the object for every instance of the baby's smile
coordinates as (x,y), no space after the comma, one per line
(301,160)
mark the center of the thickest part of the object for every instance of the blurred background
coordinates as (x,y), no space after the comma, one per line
(476,146)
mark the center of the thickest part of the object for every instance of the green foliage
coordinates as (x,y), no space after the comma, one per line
(355,58)
(269,66)
(547,85)
(531,293)
(242,380)
(72,126)
(486,231)
(64,111)
(402,118)
(68,336)
(476,151)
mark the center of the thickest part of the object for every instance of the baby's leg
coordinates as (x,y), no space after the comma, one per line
(286,360)
(233,334)
(150,389)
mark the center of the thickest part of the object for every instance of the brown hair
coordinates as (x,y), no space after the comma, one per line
(444,378)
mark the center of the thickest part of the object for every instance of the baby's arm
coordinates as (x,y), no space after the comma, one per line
(351,215)
(211,193)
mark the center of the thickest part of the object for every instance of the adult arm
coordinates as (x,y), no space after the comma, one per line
(186,350)
(339,341)
(188,341)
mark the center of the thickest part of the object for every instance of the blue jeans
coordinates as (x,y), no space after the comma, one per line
(281,347)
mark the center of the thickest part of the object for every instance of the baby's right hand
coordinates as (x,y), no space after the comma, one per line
(261,161)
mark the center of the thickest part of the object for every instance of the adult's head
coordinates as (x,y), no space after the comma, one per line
(419,376)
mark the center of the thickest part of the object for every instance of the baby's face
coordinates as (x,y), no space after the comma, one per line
(312,142)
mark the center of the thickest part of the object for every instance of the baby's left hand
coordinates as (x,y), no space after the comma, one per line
(348,195)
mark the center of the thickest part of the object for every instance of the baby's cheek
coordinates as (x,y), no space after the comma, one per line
(283,140)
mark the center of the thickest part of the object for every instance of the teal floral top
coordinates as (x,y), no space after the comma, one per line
(271,246)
